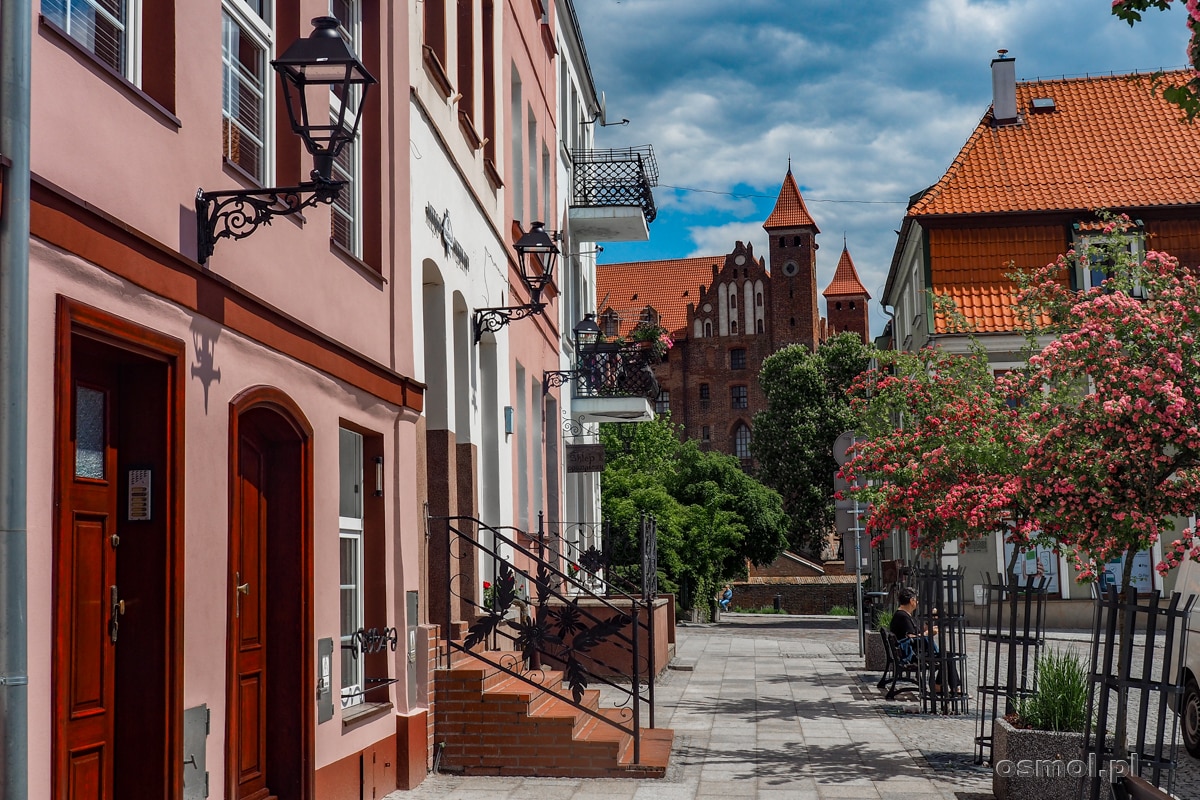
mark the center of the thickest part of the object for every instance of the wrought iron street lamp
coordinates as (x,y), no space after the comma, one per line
(535,242)
(587,333)
(309,70)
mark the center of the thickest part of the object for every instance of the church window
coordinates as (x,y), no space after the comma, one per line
(758,299)
(662,405)
(839,305)
(793,321)
(705,433)
(741,441)
(733,328)
(760,326)
(737,358)
(704,391)
(783,241)
(733,299)
(791,292)
(708,329)
(851,305)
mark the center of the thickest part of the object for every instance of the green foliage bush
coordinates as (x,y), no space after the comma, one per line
(885,620)
(841,611)
(1061,700)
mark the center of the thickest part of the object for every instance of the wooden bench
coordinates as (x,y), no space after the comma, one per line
(901,669)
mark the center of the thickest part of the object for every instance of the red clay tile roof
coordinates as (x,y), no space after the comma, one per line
(988,308)
(845,279)
(1108,143)
(668,285)
(790,211)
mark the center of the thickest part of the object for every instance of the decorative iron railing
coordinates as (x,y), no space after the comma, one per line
(1009,645)
(616,177)
(535,618)
(617,369)
(1136,687)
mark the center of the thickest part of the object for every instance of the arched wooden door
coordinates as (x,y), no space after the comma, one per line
(271,693)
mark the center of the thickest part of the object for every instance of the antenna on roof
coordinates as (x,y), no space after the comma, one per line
(600,305)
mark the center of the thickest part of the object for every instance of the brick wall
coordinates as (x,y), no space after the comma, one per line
(797,598)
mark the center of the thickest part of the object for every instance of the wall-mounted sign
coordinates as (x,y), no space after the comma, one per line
(440,225)
(585,457)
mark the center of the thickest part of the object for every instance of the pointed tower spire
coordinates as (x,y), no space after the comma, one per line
(790,211)
(845,281)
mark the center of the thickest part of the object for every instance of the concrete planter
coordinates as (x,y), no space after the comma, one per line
(1039,764)
(876,656)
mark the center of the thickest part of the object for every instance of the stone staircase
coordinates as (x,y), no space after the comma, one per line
(488,722)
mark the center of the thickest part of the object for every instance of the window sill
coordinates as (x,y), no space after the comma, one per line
(357,263)
(364,712)
(493,174)
(468,129)
(437,72)
(64,39)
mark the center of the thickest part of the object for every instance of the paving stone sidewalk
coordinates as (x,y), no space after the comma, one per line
(773,707)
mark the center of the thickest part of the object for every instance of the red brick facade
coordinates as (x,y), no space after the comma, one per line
(742,314)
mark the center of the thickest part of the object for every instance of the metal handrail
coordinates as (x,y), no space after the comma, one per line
(616,177)
(551,625)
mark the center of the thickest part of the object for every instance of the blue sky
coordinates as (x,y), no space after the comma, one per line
(871,100)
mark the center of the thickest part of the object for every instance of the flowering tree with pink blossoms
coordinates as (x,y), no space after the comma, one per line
(1117,398)
(943,453)
(1093,449)
(1186,96)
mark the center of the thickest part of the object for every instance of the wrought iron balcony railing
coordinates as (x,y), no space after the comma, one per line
(616,177)
(612,369)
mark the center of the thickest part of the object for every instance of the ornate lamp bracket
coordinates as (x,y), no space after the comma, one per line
(237,214)
(490,320)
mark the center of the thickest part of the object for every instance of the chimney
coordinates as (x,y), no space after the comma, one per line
(1004,89)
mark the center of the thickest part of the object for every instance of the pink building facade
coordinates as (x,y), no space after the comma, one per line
(224,522)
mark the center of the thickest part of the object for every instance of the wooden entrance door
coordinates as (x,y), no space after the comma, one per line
(271,711)
(117,712)
(249,621)
(87,593)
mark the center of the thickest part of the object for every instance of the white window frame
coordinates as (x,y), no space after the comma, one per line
(351,529)
(261,31)
(131,33)
(351,195)
(352,691)
(1086,241)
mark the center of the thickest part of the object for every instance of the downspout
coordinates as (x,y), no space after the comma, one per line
(16,23)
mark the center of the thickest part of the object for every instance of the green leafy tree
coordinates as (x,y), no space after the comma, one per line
(1186,95)
(807,408)
(711,516)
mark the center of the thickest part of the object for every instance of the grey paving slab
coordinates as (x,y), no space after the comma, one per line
(772,708)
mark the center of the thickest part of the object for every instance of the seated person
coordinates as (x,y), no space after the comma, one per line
(911,637)
(726,596)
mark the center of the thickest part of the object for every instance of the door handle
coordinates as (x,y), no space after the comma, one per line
(116,608)
(239,590)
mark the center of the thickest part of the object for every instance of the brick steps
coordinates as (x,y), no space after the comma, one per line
(491,723)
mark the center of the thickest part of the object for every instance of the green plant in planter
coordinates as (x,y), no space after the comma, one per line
(1060,703)
(657,337)
(885,620)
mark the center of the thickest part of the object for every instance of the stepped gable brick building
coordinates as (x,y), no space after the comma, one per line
(727,314)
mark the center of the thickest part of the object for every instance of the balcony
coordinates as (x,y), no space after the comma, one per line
(611,199)
(614,382)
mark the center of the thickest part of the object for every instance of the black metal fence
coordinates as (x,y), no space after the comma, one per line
(617,369)
(1010,641)
(1139,689)
(616,177)
(941,610)
(534,619)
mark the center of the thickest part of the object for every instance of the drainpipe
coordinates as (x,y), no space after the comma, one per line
(16,23)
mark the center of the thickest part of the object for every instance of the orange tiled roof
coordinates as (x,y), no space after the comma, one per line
(790,211)
(668,285)
(845,279)
(1108,143)
(988,308)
